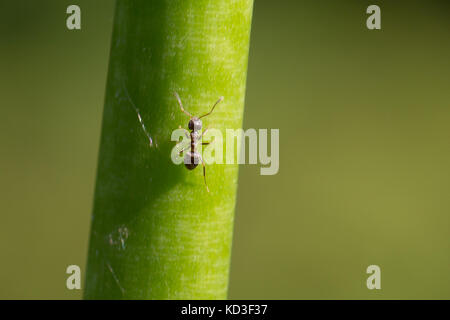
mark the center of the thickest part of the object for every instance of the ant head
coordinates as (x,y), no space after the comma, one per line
(195,124)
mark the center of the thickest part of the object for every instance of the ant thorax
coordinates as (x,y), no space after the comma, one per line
(195,135)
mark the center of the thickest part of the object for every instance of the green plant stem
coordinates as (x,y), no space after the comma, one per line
(156,232)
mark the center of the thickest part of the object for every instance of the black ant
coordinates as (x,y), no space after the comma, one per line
(192,158)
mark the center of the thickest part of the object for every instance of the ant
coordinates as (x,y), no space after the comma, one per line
(192,158)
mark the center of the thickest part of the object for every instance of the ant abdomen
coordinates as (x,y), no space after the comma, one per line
(191,160)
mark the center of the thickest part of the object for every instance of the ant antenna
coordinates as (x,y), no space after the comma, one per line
(212,109)
(181,105)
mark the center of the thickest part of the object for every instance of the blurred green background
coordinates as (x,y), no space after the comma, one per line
(364,149)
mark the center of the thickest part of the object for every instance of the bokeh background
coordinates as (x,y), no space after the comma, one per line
(364,119)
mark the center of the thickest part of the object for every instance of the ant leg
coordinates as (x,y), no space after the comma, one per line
(188,136)
(200,138)
(185,132)
(183,149)
(181,105)
(212,109)
(204,132)
(204,173)
(206,143)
